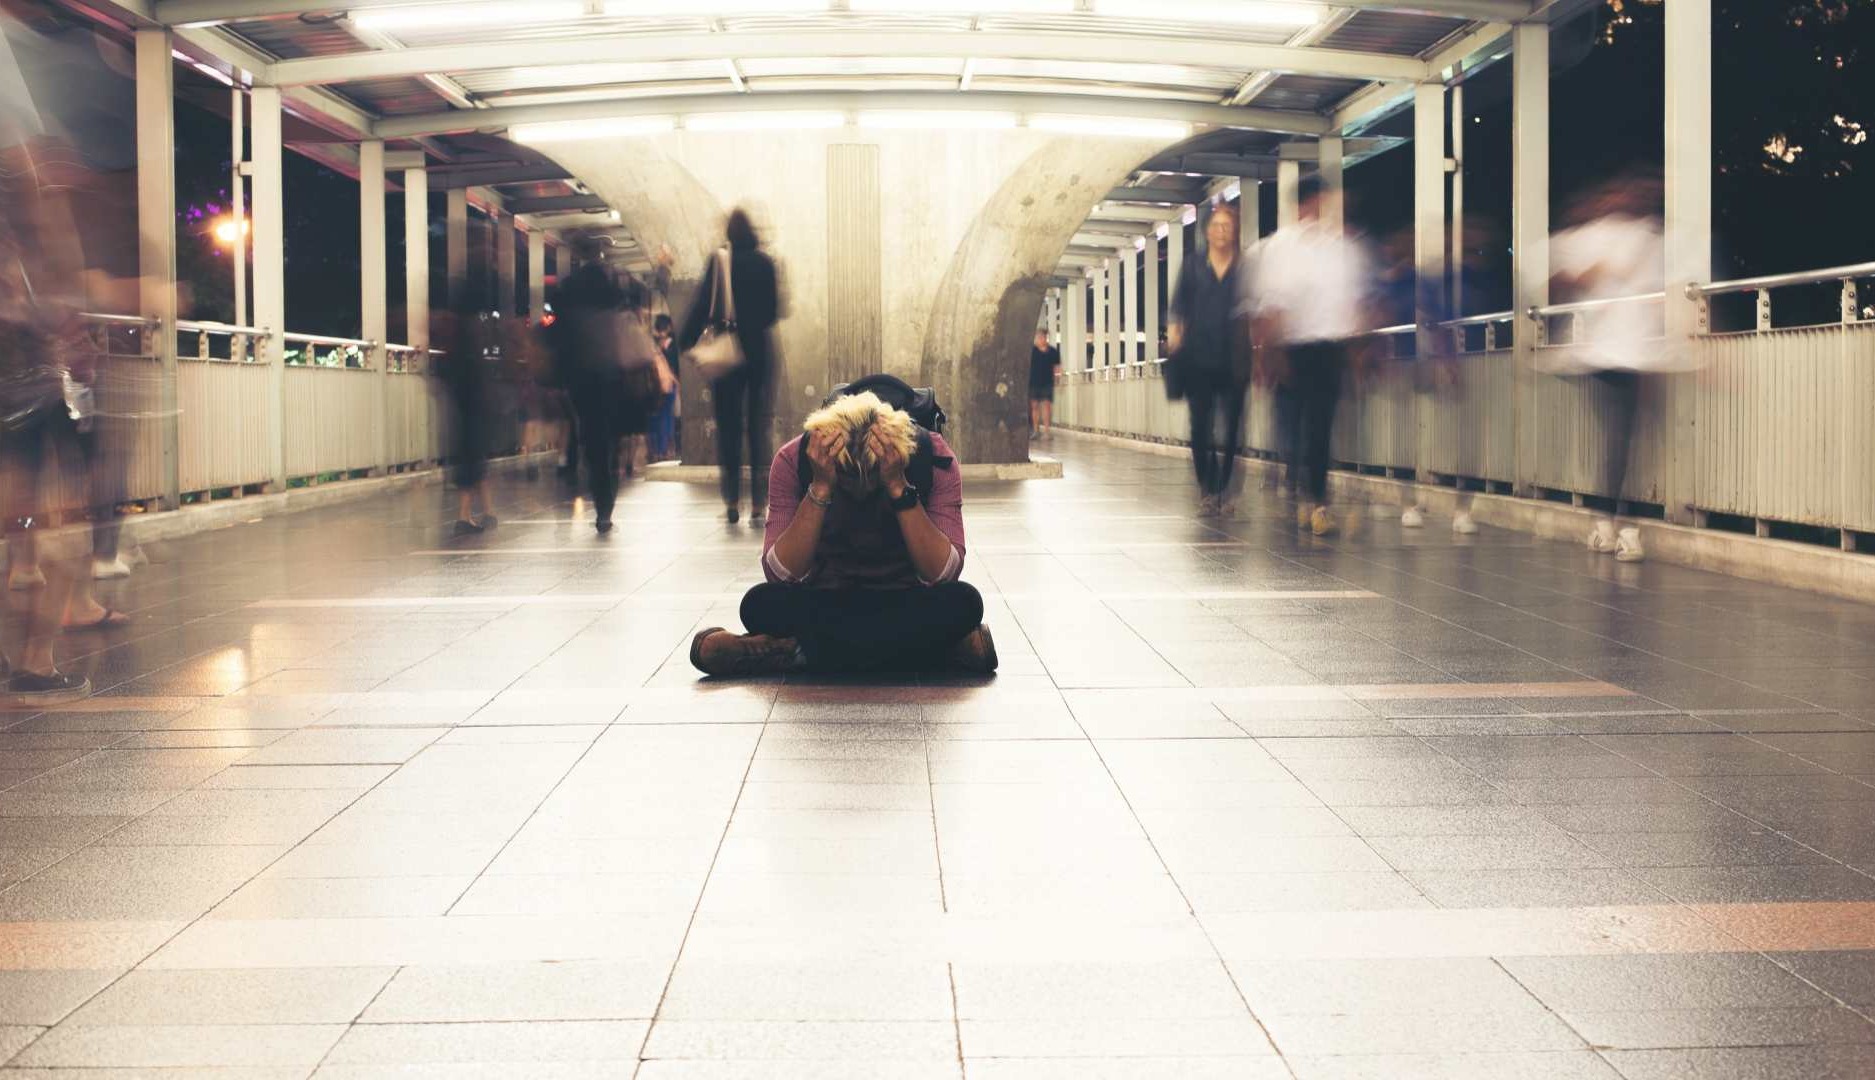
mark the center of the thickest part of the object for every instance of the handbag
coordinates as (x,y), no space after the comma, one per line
(1172,370)
(719,351)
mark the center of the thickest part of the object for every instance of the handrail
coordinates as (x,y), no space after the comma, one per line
(200,326)
(1593,305)
(116,320)
(1481,320)
(321,339)
(1694,290)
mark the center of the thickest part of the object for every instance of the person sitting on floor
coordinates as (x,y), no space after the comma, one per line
(864,543)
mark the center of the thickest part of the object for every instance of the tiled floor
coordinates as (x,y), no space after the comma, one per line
(361,801)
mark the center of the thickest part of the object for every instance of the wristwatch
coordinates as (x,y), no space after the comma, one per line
(905,501)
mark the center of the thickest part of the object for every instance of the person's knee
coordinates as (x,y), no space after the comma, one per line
(763,608)
(965,601)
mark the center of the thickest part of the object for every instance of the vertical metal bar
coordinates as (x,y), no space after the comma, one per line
(1116,337)
(1288,193)
(1764,310)
(1456,259)
(1151,270)
(270,267)
(1688,220)
(1129,306)
(536,274)
(156,237)
(374,327)
(1529,229)
(237,189)
(1249,211)
(1174,256)
(1850,306)
(503,224)
(417,260)
(1428,234)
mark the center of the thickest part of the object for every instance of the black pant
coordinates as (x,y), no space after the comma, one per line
(1314,385)
(596,403)
(1207,396)
(1624,396)
(741,402)
(866,629)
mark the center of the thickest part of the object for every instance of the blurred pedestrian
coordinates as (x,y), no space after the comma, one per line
(467,377)
(1615,248)
(1044,364)
(586,351)
(1209,340)
(743,396)
(1311,301)
(664,422)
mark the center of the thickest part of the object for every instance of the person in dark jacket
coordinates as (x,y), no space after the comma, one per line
(585,354)
(466,376)
(742,398)
(1211,343)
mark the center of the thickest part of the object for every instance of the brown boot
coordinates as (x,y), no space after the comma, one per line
(976,652)
(716,651)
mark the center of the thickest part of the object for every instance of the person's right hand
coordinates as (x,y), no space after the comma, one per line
(823,451)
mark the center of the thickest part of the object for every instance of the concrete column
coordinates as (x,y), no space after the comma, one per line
(1151,271)
(1174,257)
(375,325)
(156,237)
(1288,193)
(417,258)
(1129,307)
(1334,202)
(536,274)
(1077,325)
(1249,212)
(1116,324)
(237,190)
(270,267)
(1098,297)
(456,244)
(1688,225)
(1428,207)
(1456,290)
(503,224)
(1529,227)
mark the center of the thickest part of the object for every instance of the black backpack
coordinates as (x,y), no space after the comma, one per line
(920,402)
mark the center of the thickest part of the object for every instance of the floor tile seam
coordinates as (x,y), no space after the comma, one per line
(477,711)
(1190,910)
(1551,1010)
(937,851)
(957,1026)
(353,1023)
(690,924)
(188,924)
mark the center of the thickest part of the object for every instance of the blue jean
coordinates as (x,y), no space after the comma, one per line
(664,426)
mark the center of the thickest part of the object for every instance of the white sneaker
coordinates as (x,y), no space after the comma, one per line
(1602,540)
(1628,546)
(26,579)
(137,557)
(104,569)
(1463,525)
(1322,521)
(1411,518)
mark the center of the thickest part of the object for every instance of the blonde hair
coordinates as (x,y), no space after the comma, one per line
(854,417)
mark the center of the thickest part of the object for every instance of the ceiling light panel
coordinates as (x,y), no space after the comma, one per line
(1111,126)
(586,130)
(1230,12)
(763,121)
(451,16)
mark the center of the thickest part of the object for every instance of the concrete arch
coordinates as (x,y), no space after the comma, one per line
(984,313)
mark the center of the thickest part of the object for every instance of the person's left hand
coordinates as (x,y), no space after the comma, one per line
(891,462)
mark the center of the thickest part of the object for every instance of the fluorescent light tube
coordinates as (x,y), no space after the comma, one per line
(447,16)
(762,121)
(936,119)
(1117,126)
(575,130)
(1239,12)
(700,8)
(964,7)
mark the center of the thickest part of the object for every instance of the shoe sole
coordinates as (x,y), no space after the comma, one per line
(36,698)
(991,660)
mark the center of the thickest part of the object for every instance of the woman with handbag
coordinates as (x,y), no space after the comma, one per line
(728,337)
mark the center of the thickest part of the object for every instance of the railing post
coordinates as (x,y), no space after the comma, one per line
(270,267)
(156,237)
(1430,306)
(1688,220)
(374,326)
(1850,306)
(1764,310)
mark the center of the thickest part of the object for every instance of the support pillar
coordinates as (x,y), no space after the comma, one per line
(156,237)
(1428,234)
(1150,269)
(536,275)
(1288,193)
(1116,325)
(503,224)
(1456,262)
(1174,256)
(1129,307)
(1249,212)
(1688,224)
(1529,229)
(374,327)
(456,245)
(270,268)
(417,261)
(1333,201)
(237,190)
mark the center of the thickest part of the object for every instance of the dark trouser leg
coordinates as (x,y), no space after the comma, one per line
(1289,434)
(1624,392)
(1318,376)
(730,397)
(1201,398)
(866,629)
(598,437)
(1233,406)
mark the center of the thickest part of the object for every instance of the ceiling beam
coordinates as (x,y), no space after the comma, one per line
(557,204)
(1254,167)
(1199,113)
(495,175)
(175,12)
(658,48)
(1159,194)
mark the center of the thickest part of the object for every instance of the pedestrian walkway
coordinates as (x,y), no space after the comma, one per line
(359,800)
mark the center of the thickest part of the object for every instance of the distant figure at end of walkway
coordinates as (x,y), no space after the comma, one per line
(864,544)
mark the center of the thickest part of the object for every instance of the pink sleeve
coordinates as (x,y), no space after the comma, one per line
(784,499)
(946,507)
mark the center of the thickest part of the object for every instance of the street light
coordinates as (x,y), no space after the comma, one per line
(228,229)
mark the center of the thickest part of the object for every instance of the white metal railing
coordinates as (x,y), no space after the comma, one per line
(1849,309)
(342,352)
(239,340)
